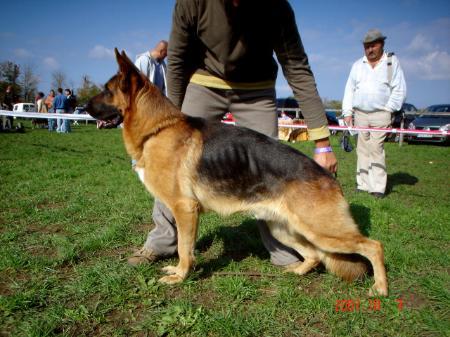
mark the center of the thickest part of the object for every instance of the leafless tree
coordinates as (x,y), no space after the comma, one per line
(28,81)
(59,79)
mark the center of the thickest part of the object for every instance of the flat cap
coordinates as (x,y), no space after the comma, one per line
(373,35)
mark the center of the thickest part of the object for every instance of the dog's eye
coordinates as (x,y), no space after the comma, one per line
(108,92)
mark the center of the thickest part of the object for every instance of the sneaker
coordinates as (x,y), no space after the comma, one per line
(142,256)
(378,195)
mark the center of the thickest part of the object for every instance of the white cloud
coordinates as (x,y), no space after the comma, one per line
(22,53)
(427,56)
(100,52)
(434,65)
(50,63)
(420,43)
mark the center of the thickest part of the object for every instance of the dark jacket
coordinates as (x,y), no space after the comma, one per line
(9,100)
(237,44)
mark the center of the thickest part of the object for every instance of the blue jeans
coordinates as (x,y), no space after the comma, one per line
(51,122)
(62,125)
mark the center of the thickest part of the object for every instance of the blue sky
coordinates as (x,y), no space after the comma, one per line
(78,38)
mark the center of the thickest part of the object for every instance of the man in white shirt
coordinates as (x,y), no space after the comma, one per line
(375,89)
(152,65)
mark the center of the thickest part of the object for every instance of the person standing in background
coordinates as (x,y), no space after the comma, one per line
(152,65)
(60,105)
(375,88)
(49,103)
(40,107)
(8,102)
(70,107)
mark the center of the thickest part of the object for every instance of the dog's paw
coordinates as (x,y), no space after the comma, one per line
(378,291)
(171,279)
(301,268)
(170,270)
(291,268)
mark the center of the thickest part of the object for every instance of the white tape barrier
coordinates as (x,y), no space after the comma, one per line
(84,117)
(292,126)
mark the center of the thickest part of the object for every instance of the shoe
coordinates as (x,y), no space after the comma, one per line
(378,195)
(357,190)
(142,256)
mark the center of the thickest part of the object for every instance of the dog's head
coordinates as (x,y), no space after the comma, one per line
(119,92)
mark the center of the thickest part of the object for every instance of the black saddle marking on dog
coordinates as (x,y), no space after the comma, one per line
(248,164)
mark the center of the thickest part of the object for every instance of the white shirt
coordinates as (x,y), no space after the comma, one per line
(368,89)
(154,70)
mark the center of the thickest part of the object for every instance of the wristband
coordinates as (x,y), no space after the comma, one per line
(323,149)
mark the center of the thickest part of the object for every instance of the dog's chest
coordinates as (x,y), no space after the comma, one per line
(140,173)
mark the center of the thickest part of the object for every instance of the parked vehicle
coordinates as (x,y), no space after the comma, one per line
(80,110)
(435,117)
(407,112)
(24,107)
(289,106)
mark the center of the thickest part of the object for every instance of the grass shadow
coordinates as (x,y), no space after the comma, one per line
(239,243)
(400,178)
(361,214)
(242,241)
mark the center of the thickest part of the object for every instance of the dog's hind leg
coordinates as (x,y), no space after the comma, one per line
(304,267)
(370,249)
(324,219)
(186,215)
(300,244)
(329,226)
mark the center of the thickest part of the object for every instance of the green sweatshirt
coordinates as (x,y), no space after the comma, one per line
(236,45)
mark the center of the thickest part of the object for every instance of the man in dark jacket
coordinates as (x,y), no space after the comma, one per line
(220,60)
(8,103)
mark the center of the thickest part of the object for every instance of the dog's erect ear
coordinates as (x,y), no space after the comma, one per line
(127,70)
(125,64)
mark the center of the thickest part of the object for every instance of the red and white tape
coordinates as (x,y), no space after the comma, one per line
(356,129)
(387,130)
(292,126)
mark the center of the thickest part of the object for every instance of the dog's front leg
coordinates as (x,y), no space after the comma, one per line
(186,216)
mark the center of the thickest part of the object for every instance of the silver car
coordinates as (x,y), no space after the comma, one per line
(434,118)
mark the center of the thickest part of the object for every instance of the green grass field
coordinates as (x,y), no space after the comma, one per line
(71,212)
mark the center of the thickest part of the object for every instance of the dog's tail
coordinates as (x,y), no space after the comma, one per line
(347,266)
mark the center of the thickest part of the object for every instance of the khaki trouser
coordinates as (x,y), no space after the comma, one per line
(254,109)
(371,173)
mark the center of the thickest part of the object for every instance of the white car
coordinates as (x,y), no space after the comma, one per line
(24,107)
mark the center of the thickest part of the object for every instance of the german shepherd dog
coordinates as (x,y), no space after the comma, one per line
(193,165)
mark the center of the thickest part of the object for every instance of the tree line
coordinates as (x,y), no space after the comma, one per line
(24,83)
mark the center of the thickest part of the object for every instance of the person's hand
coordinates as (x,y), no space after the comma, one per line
(348,121)
(325,157)
(327,160)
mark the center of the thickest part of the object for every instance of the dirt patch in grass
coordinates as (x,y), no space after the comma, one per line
(50,205)
(120,253)
(39,250)
(415,301)
(46,229)
(4,287)
(8,277)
